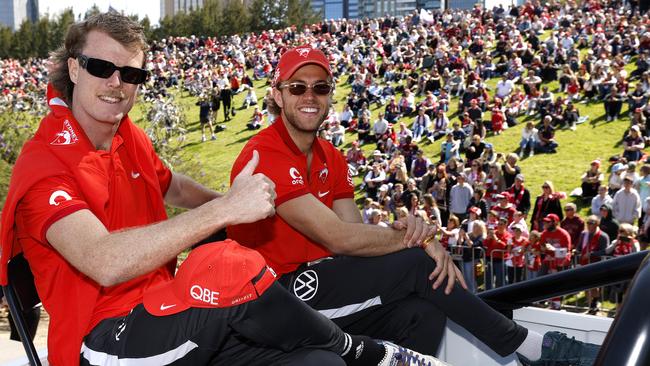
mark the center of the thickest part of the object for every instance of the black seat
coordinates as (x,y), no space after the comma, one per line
(24,304)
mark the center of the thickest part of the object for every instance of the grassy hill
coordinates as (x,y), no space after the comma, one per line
(593,139)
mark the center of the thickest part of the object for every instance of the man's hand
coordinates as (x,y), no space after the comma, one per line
(445,267)
(417,230)
(252,196)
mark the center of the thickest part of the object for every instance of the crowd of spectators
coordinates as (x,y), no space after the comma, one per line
(459,77)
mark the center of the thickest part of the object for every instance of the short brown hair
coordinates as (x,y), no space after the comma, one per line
(119,27)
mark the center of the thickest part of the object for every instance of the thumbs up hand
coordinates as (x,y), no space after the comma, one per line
(252,195)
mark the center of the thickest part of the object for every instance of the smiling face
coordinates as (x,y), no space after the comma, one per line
(306,112)
(97,100)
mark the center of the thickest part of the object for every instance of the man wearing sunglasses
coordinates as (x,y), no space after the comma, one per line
(378,281)
(86,206)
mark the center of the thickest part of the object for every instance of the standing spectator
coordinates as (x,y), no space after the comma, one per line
(516,262)
(556,243)
(519,195)
(503,207)
(510,169)
(204,117)
(591,245)
(602,198)
(528,139)
(498,121)
(459,197)
(627,203)
(591,180)
(472,243)
(615,181)
(608,223)
(533,255)
(572,223)
(226,99)
(547,203)
(495,246)
(215,101)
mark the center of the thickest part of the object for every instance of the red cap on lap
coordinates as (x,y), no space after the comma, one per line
(215,275)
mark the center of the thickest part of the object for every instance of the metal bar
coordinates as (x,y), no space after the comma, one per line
(21,326)
(628,341)
(593,275)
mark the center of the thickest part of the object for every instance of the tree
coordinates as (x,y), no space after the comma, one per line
(94,10)
(300,12)
(235,18)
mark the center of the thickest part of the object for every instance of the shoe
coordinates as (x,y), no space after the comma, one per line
(400,356)
(203,138)
(213,137)
(559,350)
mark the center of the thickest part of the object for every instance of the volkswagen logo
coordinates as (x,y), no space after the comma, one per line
(306,285)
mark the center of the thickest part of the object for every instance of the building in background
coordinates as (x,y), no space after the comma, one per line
(356,9)
(172,7)
(14,12)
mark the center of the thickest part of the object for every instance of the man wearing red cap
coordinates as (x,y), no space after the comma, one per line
(86,206)
(364,277)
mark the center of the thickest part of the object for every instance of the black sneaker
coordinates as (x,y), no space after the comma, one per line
(560,350)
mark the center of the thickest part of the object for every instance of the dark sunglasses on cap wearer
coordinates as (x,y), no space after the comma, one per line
(300,88)
(104,69)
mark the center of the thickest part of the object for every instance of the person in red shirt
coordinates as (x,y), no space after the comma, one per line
(86,206)
(556,244)
(496,252)
(517,246)
(572,223)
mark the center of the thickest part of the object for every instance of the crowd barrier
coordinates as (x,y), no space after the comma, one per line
(482,272)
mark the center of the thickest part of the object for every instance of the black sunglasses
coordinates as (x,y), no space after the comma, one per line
(104,69)
(300,88)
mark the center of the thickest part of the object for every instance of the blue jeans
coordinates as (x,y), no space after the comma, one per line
(528,143)
(469,276)
(494,268)
(419,131)
(551,146)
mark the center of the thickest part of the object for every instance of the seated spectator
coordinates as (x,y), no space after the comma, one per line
(373,180)
(439,125)
(407,103)
(615,181)
(419,166)
(498,121)
(256,122)
(250,98)
(613,102)
(380,127)
(363,130)
(403,133)
(504,87)
(421,126)
(456,83)
(633,145)
(475,148)
(346,116)
(546,135)
(338,133)
(355,158)
(591,180)
(450,148)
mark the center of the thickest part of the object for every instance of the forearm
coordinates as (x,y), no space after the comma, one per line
(184,192)
(363,240)
(119,256)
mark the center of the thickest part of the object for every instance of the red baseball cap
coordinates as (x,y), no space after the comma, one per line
(296,58)
(552,217)
(215,275)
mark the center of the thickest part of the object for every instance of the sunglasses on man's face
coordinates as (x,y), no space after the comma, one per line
(300,88)
(104,69)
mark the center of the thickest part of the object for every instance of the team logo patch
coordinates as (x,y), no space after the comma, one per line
(59,196)
(67,136)
(205,295)
(306,285)
(303,52)
(296,178)
(323,174)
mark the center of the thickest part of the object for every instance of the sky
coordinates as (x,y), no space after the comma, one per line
(140,7)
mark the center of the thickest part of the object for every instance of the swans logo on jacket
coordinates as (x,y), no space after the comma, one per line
(67,136)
